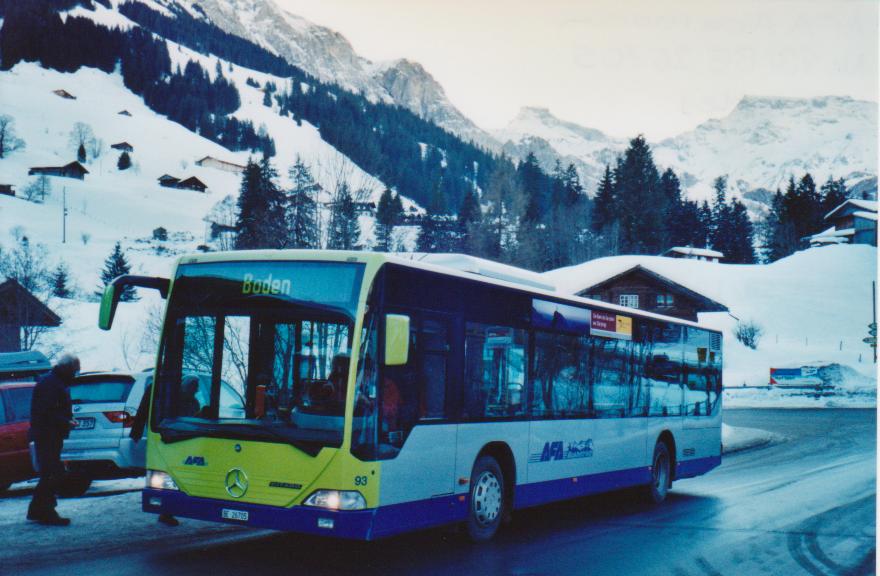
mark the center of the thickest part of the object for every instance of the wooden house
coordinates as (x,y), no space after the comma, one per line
(168,181)
(123,146)
(72,170)
(641,288)
(211,162)
(124,113)
(20,310)
(691,253)
(192,183)
(7,190)
(64,94)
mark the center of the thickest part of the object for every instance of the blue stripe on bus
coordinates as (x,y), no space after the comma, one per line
(397,518)
(697,466)
(573,487)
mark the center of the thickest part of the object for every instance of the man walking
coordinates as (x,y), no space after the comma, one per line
(51,421)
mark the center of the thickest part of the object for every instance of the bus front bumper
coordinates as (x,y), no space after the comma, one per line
(354,524)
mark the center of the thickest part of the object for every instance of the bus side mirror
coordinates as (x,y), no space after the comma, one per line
(115,288)
(396,339)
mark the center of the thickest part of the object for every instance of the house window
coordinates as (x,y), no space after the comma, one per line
(665,300)
(629,300)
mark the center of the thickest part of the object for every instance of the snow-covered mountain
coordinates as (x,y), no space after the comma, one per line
(328,56)
(760,144)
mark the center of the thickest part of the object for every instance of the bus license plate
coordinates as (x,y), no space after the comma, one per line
(228,514)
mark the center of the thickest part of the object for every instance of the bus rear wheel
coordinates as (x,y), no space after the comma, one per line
(661,474)
(487,499)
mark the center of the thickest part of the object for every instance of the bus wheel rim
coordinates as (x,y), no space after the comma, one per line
(487,498)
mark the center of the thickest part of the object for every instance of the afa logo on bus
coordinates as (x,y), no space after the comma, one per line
(560,450)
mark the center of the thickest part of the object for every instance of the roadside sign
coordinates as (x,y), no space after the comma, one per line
(872,329)
(870,340)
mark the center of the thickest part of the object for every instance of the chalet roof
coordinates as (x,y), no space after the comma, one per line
(64,94)
(18,306)
(690,251)
(866,215)
(122,145)
(859,205)
(201,160)
(167,177)
(73,165)
(192,181)
(706,304)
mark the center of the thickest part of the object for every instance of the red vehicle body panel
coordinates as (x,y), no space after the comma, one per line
(15,460)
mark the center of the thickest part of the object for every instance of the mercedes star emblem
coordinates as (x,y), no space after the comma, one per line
(236,483)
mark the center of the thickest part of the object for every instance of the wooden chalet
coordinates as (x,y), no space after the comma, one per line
(191,183)
(123,146)
(124,113)
(690,253)
(64,94)
(211,162)
(7,189)
(72,170)
(641,288)
(852,222)
(20,309)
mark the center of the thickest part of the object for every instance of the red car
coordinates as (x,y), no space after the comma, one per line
(15,415)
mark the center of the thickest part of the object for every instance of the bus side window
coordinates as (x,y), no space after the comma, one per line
(433,340)
(495,366)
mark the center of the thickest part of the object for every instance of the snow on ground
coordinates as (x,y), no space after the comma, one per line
(739,438)
(814,308)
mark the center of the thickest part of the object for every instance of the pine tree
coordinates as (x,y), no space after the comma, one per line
(740,248)
(833,195)
(469,217)
(60,281)
(637,184)
(261,218)
(124,162)
(344,230)
(81,153)
(604,211)
(720,230)
(530,176)
(388,214)
(116,265)
(302,212)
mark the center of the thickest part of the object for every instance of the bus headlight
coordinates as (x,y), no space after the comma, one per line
(336,500)
(160,480)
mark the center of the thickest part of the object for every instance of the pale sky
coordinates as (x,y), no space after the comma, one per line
(624,67)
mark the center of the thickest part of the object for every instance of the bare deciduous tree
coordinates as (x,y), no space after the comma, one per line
(9,141)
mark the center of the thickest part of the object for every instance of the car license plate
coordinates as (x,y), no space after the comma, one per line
(228,514)
(85,423)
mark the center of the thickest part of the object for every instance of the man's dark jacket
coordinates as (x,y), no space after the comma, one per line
(50,408)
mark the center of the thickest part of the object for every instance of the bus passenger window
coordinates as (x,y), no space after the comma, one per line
(560,386)
(494,371)
(434,347)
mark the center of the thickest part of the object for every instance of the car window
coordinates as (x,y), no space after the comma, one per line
(91,392)
(19,403)
(2,409)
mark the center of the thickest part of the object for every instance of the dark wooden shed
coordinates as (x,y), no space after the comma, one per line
(72,170)
(20,309)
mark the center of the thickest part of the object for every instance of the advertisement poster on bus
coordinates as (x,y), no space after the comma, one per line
(610,325)
(562,317)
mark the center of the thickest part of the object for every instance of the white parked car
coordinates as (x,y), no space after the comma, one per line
(104,406)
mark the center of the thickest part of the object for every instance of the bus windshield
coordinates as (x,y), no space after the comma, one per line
(258,350)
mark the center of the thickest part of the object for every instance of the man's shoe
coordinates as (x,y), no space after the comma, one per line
(168,520)
(54,520)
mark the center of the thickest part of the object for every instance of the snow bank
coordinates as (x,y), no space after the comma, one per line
(738,438)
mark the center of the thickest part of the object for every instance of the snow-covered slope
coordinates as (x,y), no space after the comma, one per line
(328,56)
(814,306)
(759,144)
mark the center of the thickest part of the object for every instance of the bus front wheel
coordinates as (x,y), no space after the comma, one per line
(487,499)
(661,474)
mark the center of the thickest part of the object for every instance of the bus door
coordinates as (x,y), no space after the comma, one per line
(419,436)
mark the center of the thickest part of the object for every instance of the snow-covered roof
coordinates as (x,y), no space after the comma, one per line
(866,215)
(689,251)
(832,233)
(487,268)
(865,205)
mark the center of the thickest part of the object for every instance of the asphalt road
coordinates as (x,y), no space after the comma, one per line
(805,505)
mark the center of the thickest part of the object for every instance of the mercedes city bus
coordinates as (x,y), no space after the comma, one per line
(361,395)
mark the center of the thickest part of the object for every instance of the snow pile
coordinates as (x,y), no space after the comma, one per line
(813,307)
(739,438)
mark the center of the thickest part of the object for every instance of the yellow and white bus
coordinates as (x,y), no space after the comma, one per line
(361,395)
